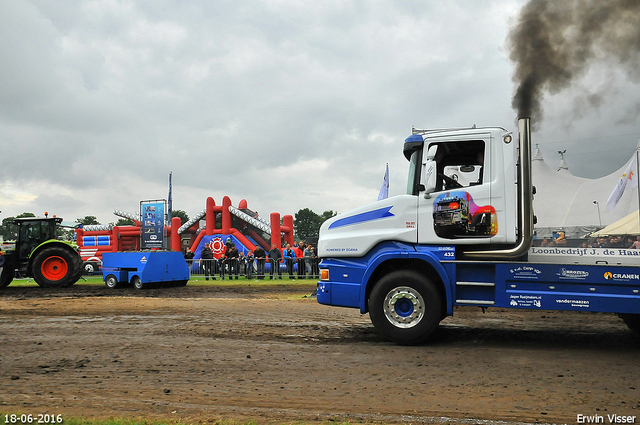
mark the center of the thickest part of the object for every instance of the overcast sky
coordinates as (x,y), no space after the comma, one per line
(287,104)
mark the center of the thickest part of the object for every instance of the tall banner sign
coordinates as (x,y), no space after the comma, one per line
(152,213)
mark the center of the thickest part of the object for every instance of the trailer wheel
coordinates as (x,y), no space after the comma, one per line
(56,267)
(632,321)
(137,283)
(111,282)
(405,307)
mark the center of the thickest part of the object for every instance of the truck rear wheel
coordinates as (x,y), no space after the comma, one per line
(56,267)
(405,307)
(632,321)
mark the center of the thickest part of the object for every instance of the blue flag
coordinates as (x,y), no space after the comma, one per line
(384,190)
(170,206)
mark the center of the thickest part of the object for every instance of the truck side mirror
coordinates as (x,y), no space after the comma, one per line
(429,171)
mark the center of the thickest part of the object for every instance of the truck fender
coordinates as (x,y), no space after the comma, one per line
(440,271)
(406,252)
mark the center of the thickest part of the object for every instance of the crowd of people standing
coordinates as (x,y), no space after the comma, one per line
(619,241)
(233,263)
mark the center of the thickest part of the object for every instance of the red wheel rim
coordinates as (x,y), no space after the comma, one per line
(54,268)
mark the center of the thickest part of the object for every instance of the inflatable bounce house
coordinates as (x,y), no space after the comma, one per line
(242,226)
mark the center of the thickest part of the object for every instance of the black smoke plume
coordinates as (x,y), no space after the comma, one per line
(555,41)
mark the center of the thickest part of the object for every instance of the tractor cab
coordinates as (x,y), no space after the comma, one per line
(32,231)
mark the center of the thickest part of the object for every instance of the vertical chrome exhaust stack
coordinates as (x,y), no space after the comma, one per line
(525,202)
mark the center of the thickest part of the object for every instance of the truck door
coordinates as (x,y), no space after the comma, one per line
(456,208)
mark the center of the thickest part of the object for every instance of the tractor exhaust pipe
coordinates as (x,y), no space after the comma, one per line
(525,202)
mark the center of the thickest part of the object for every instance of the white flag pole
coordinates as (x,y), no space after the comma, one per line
(638,188)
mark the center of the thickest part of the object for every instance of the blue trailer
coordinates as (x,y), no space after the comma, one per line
(144,269)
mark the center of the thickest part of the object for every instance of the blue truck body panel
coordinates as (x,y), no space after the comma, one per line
(597,288)
(150,267)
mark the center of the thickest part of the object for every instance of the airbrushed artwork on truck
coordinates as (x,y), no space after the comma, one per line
(455,215)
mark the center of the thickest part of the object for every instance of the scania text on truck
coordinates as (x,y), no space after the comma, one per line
(460,236)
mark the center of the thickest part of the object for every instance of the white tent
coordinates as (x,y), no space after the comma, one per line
(575,205)
(628,225)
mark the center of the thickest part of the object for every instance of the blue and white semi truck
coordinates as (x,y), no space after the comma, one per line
(461,236)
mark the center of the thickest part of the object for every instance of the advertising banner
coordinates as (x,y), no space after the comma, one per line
(152,214)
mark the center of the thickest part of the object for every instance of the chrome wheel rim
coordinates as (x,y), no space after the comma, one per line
(404,307)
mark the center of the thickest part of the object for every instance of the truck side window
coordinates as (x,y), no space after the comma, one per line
(460,164)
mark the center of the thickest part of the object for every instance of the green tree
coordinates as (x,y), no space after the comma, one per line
(125,222)
(65,234)
(87,220)
(9,231)
(306,223)
(184,217)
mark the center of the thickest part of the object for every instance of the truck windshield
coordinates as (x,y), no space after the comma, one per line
(414,172)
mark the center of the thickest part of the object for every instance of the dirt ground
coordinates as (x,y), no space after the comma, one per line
(268,354)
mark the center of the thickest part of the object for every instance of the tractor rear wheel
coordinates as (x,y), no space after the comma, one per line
(56,267)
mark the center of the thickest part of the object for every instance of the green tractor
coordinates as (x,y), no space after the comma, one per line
(38,254)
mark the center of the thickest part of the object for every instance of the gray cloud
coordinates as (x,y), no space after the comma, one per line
(286,105)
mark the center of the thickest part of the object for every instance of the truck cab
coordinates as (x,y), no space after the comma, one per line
(461,190)
(464,184)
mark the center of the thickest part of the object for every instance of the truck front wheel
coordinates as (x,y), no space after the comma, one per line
(405,307)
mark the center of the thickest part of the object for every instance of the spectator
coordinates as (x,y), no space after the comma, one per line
(299,251)
(274,258)
(261,257)
(636,244)
(289,257)
(222,263)
(206,256)
(232,257)
(315,262)
(248,266)
(241,262)
(308,255)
